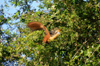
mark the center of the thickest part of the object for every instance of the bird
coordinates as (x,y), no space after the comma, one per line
(39,26)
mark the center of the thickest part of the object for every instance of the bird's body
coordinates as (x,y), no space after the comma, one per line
(39,26)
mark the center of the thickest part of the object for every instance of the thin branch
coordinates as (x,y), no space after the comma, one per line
(94,51)
(78,50)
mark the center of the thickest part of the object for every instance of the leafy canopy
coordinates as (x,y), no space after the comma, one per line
(78,43)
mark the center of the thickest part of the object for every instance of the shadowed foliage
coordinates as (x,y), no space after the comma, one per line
(78,43)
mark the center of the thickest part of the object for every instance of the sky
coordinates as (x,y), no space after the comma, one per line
(11,10)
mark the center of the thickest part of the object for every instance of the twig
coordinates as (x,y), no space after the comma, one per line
(94,51)
(79,49)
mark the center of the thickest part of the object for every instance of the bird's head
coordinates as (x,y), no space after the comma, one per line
(57,31)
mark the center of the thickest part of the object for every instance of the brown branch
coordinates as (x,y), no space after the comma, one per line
(79,49)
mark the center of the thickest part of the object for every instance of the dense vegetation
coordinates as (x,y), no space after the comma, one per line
(78,43)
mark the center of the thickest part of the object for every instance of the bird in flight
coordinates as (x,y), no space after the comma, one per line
(39,26)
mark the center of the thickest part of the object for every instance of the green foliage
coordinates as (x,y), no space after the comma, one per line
(78,43)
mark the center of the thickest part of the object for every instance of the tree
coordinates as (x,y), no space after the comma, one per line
(78,43)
